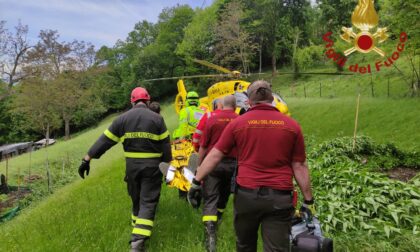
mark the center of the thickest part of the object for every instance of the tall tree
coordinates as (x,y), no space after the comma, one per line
(82,56)
(198,41)
(76,102)
(233,43)
(144,34)
(49,57)
(3,36)
(336,13)
(159,59)
(35,102)
(55,66)
(14,47)
(271,30)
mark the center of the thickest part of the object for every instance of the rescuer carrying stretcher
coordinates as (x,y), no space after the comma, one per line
(146,143)
(271,153)
(216,186)
(217,105)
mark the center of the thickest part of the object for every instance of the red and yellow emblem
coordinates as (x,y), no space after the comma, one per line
(364,18)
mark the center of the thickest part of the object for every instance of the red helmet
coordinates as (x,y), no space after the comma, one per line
(139,93)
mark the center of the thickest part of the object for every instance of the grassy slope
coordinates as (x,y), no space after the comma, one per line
(382,119)
(399,77)
(93,214)
(76,147)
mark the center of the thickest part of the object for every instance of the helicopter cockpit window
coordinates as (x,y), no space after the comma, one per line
(238,86)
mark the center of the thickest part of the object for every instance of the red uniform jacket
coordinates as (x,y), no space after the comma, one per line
(267,143)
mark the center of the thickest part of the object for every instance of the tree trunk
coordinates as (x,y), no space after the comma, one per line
(47,134)
(295,46)
(261,47)
(273,64)
(66,129)
(241,52)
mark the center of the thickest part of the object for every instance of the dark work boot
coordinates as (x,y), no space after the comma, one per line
(210,234)
(138,246)
(182,195)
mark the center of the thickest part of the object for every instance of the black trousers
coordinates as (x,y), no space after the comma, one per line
(271,209)
(143,185)
(216,189)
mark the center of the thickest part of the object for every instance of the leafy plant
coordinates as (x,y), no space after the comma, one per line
(351,196)
(365,152)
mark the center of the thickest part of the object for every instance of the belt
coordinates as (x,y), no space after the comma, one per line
(265,190)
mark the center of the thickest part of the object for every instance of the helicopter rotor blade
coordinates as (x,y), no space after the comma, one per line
(315,73)
(189,77)
(304,73)
(211,65)
(243,75)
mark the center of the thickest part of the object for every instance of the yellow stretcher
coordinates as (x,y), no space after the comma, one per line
(180,172)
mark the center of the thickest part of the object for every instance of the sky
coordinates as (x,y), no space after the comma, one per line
(100,22)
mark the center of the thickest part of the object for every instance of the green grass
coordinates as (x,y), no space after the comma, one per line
(347,85)
(62,150)
(94,214)
(384,120)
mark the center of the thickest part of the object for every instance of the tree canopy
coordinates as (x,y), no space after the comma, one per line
(82,83)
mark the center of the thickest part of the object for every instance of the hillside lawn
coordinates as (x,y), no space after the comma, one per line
(94,214)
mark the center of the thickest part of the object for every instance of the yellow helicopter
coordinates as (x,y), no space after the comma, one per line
(234,87)
(185,160)
(178,172)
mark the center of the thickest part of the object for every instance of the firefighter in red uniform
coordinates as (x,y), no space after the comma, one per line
(217,106)
(145,140)
(216,186)
(271,152)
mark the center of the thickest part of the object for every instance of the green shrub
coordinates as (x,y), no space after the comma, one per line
(351,196)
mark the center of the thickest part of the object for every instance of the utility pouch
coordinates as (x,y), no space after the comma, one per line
(308,237)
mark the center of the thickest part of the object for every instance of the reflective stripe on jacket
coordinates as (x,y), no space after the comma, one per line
(142,132)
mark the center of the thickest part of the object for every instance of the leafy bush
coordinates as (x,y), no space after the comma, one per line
(309,56)
(351,196)
(366,152)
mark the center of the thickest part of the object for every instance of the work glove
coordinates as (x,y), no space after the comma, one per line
(307,210)
(194,194)
(84,167)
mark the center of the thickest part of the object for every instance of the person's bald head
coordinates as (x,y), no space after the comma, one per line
(217,104)
(260,92)
(229,102)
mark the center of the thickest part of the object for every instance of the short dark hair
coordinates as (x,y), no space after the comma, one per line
(155,107)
